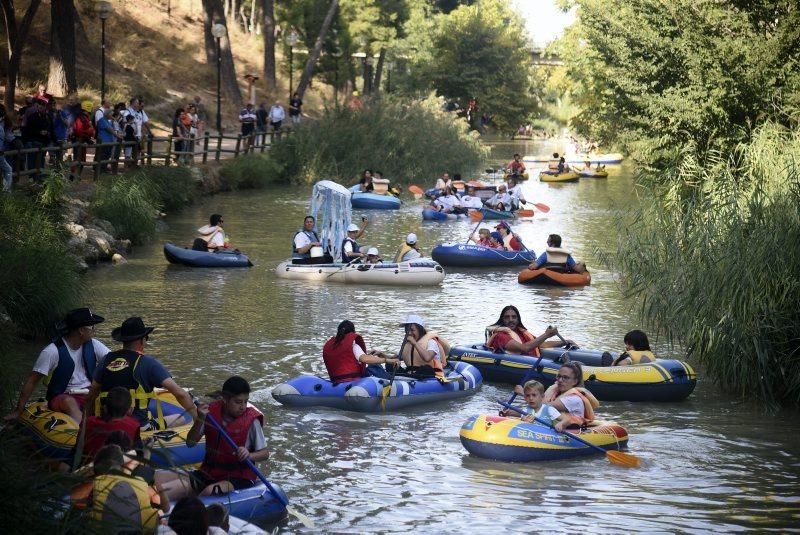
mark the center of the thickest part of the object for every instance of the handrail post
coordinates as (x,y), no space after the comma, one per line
(238,146)
(219,146)
(149,150)
(169,151)
(205,146)
(95,164)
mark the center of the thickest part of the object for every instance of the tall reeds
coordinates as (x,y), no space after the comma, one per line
(130,203)
(715,258)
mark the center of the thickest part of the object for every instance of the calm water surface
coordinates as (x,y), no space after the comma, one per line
(710,463)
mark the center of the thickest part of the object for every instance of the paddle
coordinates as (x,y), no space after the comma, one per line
(307,522)
(527,376)
(358,258)
(615,456)
(477,219)
(388,388)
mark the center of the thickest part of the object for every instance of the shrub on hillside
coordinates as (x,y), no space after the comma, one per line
(406,141)
(173,187)
(252,171)
(130,204)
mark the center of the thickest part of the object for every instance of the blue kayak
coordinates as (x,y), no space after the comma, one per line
(662,380)
(432,215)
(464,255)
(254,504)
(373,201)
(364,395)
(192,258)
(491,213)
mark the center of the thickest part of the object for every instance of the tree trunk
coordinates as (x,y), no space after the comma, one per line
(81,39)
(252,27)
(376,85)
(20,33)
(230,86)
(314,56)
(62,79)
(268,13)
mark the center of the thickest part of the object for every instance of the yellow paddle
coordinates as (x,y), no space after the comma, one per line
(388,388)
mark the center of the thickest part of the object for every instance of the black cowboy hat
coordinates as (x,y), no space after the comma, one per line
(131,329)
(79,317)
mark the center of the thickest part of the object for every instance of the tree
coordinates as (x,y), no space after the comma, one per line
(17,35)
(268,31)
(62,79)
(314,55)
(214,15)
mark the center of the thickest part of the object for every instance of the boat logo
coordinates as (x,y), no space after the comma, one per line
(118,364)
(527,434)
(53,423)
(165,435)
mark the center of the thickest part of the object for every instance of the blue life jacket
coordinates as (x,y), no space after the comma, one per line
(346,259)
(311,235)
(61,375)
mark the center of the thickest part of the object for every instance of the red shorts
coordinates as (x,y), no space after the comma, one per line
(58,403)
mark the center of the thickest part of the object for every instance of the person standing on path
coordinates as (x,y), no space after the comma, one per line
(248,119)
(276,116)
(295,108)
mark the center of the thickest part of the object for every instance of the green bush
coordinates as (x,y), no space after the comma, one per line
(407,142)
(173,187)
(716,256)
(252,171)
(40,281)
(130,203)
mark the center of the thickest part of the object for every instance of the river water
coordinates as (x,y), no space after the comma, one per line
(711,463)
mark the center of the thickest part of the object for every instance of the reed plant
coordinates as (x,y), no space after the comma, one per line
(715,258)
(406,141)
(131,203)
(252,171)
(173,187)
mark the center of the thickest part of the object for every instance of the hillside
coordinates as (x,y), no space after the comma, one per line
(160,58)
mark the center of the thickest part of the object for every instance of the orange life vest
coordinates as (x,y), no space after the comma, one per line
(589,403)
(438,366)
(515,335)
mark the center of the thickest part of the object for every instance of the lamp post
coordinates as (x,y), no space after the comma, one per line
(219,31)
(389,67)
(368,61)
(337,53)
(104,10)
(291,39)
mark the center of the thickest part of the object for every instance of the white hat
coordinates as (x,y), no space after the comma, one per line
(353,228)
(411,239)
(372,251)
(413,318)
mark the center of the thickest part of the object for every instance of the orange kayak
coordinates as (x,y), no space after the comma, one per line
(553,278)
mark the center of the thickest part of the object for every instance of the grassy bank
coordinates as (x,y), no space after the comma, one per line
(406,141)
(715,258)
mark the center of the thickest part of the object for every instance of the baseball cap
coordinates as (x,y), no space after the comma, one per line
(352,228)
(496,235)
(503,224)
(411,239)
(372,251)
(413,318)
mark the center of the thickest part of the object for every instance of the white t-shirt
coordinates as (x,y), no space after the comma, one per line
(516,192)
(276,114)
(348,246)
(498,198)
(301,240)
(448,202)
(434,346)
(548,412)
(411,255)
(48,360)
(574,405)
(99,114)
(468,201)
(357,351)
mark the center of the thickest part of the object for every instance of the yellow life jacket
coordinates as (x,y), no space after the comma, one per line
(514,336)
(125,501)
(140,398)
(402,252)
(444,349)
(589,402)
(637,357)
(557,255)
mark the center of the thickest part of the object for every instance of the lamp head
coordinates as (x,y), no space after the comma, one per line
(103,8)
(219,30)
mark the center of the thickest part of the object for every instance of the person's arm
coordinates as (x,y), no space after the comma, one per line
(426,354)
(525,347)
(364,223)
(198,426)
(181,395)
(539,261)
(624,362)
(24,395)
(94,391)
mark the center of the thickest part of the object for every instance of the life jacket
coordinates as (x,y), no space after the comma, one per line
(637,357)
(589,403)
(438,366)
(97,431)
(346,259)
(405,248)
(83,129)
(342,365)
(207,233)
(514,336)
(511,243)
(220,461)
(119,368)
(311,235)
(59,378)
(123,500)
(556,256)
(459,184)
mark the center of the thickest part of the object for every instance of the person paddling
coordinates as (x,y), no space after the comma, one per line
(347,359)
(213,235)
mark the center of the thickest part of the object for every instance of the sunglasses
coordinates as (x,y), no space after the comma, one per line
(565,377)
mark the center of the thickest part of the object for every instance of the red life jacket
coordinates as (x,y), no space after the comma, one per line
(514,335)
(220,461)
(83,129)
(97,431)
(340,361)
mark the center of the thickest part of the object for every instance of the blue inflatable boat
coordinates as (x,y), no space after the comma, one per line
(491,213)
(432,215)
(254,504)
(192,258)
(373,201)
(364,395)
(662,380)
(468,255)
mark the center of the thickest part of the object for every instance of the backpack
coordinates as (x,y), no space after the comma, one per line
(83,127)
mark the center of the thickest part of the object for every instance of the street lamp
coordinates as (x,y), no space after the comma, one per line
(219,31)
(389,67)
(104,10)
(292,39)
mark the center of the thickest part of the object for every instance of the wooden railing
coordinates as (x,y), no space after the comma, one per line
(33,161)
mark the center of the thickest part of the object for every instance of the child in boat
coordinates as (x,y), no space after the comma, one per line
(533,391)
(116,408)
(483,238)
(637,350)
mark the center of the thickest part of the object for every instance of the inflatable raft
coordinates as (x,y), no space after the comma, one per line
(553,278)
(594,159)
(420,272)
(467,255)
(364,395)
(429,214)
(192,258)
(569,176)
(663,380)
(593,174)
(55,433)
(491,213)
(524,176)
(256,504)
(373,201)
(512,440)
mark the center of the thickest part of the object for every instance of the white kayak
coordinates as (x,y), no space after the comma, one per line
(419,272)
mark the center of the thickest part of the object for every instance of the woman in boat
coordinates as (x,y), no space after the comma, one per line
(569,396)
(365,184)
(637,350)
(346,357)
(424,352)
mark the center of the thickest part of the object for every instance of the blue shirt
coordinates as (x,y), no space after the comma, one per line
(543,259)
(105,131)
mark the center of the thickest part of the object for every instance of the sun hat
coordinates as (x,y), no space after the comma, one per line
(131,329)
(372,251)
(79,317)
(411,239)
(352,228)
(413,318)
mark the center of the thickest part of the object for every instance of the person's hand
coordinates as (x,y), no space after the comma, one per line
(559,426)
(503,412)
(529,418)
(362,255)
(242,453)
(532,265)
(410,339)
(11,417)
(392,361)
(551,331)
(202,410)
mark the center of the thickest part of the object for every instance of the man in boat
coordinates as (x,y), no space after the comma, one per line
(350,248)
(510,240)
(409,250)
(303,242)
(470,200)
(501,200)
(516,167)
(510,335)
(556,258)
(449,203)
(67,364)
(212,236)
(131,368)
(346,357)
(515,190)
(552,165)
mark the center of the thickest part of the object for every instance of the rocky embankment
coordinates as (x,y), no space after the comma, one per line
(92,240)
